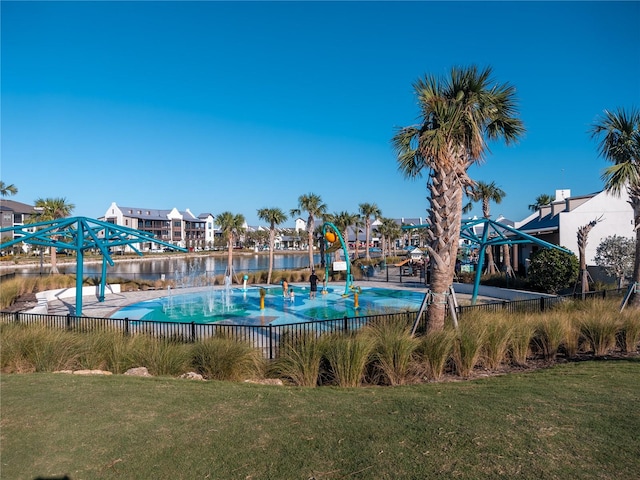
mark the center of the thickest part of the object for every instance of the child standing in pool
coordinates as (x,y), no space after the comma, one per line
(293,295)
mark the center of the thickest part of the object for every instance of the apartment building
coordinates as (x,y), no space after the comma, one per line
(181,228)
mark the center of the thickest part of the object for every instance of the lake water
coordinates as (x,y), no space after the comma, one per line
(172,267)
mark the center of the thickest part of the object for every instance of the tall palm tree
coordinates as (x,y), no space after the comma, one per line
(48,209)
(459,114)
(487,192)
(388,231)
(232,227)
(541,200)
(6,190)
(343,221)
(357,225)
(274,216)
(368,210)
(312,204)
(618,133)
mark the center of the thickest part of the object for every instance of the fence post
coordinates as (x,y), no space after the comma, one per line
(193,332)
(541,304)
(68,321)
(604,294)
(17,315)
(345,324)
(270,342)
(126,326)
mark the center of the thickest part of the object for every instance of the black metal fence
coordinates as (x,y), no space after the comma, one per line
(270,338)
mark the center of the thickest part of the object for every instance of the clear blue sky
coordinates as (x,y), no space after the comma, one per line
(217,106)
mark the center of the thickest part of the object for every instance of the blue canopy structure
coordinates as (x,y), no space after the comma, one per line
(492,233)
(81,234)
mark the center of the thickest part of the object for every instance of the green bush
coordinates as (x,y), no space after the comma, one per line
(434,351)
(552,270)
(348,356)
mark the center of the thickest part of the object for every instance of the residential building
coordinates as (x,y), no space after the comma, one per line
(558,223)
(181,228)
(15,214)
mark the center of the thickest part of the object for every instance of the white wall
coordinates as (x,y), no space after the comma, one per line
(617,219)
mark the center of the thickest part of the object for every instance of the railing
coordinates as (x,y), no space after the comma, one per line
(270,338)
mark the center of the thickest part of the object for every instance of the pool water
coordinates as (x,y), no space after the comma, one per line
(242,307)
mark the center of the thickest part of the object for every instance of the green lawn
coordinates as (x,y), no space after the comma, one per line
(573,421)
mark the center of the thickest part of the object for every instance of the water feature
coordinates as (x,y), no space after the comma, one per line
(241,306)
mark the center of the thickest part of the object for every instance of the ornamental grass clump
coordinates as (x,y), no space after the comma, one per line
(393,351)
(521,336)
(160,356)
(468,344)
(434,352)
(550,334)
(599,330)
(299,359)
(629,333)
(347,357)
(220,358)
(36,348)
(499,331)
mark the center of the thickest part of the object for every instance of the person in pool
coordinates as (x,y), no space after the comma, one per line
(285,289)
(313,284)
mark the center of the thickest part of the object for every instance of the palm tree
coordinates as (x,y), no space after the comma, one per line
(6,190)
(312,204)
(368,210)
(485,193)
(343,221)
(619,143)
(48,209)
(541,200)
(274,216)
(459,114)
(388,230)
(231,226)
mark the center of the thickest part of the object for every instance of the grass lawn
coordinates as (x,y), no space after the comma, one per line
(573,421)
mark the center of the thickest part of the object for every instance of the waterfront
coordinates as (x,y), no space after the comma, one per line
(173,266)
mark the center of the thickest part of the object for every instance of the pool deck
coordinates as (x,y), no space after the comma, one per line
(92,307)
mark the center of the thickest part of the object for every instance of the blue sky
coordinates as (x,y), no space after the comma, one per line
(236,106)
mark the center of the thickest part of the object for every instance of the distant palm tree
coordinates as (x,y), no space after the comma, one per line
(343,221)
(619,136)
(459,114)
(541,201)
(487,192)
(48,209)
(6,190)
(368,210)
(357,225)
(274,216)
(231,226)
(312,204)
(388,231)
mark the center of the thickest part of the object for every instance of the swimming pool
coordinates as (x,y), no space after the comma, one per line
(239,306)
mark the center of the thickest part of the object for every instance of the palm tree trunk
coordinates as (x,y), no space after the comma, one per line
(230,256)
(272,238)
(445,216)
(491,264)
(508,268)
(54,261)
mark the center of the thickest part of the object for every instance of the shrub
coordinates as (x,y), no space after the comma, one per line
(161,357)
(629,331)
(551,270)
(599,331)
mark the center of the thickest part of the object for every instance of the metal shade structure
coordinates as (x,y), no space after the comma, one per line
(493,233)
(81,234)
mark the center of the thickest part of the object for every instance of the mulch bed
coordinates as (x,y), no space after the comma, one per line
(23,302)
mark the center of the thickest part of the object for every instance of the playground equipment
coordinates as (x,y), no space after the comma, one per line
(331,234)
(492,233)
(81,234)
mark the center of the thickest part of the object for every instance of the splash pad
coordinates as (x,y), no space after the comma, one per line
(241,306)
